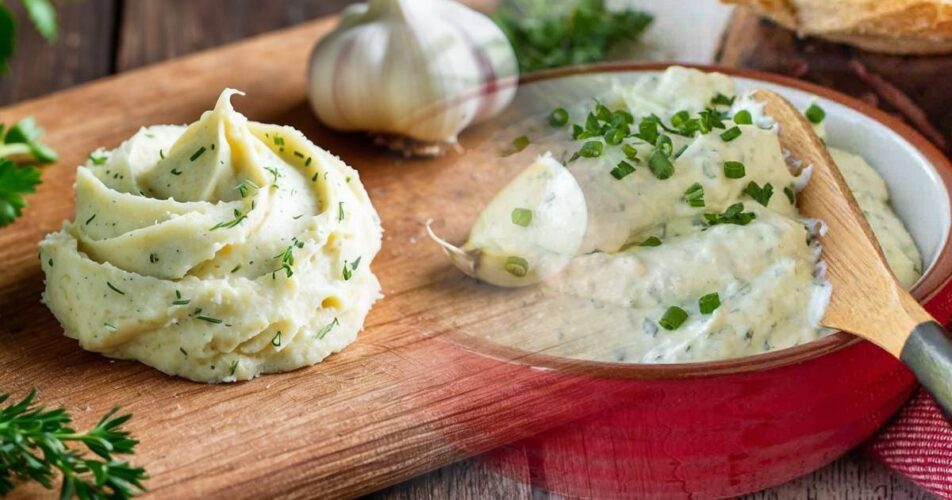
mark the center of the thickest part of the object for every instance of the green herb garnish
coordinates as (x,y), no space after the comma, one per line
(113,287)
(97,159)
(694,196)
(35,445)
(730,134)
(660,165)
(622,170)
(559,117)
(709,303)
(760,194)
(14,183)
(246,185)
(198,153)
(340,211)
(327,328)
(722,100)
(734,170)
(179,301)
(287,258)
(591,149)
(733,215)
(239,216)
(209,319)
(520,143)
(276,340)
(545,36)
(521,217)
(516,266)
(743,117)
(791,195)
(90,219)
(673,318)
(630,152)
(815,114)
(652,241)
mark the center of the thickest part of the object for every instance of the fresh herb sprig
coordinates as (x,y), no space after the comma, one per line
(35,446)
(585,33)
(20,150)
(41,14)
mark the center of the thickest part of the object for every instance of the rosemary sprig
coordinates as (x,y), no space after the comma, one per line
(35,446)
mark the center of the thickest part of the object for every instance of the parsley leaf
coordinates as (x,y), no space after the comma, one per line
(14,183)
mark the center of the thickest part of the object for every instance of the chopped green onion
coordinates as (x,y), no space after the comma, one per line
(120,292)
(522,217)
(340,211)
(694,196)
(709,303)
(652,241)
(630,152)
(815,114)
(743,117)
(722,100)
(327,328)
(673,318)
(97,159)
(760,194)
(517,266)
(276,340)
(622,170)
(663,144)
(347,272)
(680,119)
(791,195)
(615,135)
(591,149)
(660,165)
(559,117)
(520,143)
(90,219)
(730,134)
(209,319)
(734,170)
(733,215)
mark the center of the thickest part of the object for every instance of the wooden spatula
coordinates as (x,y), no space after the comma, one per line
(867,301)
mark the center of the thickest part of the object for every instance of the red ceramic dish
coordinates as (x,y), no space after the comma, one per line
(728,427)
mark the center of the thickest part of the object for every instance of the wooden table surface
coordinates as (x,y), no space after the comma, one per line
(102,37)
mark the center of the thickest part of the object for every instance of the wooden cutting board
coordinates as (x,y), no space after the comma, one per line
(403,400)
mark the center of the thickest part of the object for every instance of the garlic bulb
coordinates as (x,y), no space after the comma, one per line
(528,232)
(421,70)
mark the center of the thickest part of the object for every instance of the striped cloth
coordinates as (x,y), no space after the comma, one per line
(918,443)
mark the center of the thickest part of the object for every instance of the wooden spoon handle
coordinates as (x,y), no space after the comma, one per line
(928,352)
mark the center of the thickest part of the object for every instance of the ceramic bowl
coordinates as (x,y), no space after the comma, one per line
(730,427)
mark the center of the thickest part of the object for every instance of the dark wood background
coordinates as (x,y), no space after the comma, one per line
(103,37)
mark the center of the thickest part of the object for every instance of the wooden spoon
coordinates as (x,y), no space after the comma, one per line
(867,300)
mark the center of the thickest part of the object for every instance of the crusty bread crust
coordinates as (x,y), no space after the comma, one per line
(892,26)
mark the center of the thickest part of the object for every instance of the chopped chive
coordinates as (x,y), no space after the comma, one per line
(722,100)
(235,269)
(276,340)
(50,262)
(314,177)
(97,159)
(680,151)
(176,171)
(521,217)
(520,143)
(615,135)
(760,194)
(652,241)
(356,263)
(327,328)
(276,174)
(233,368)
(278,140)
(734,170)
(559,117)
(680,119)
(815,114)
(209,319)
(730,134)
(516,266)
(120,292)
(733,215)
(110,326)
(340,211)
(196,154)
(622,170)
(244,186)
(673,318)
(162,154)
(232,223)
(153,258)
(591,149)
(743,117)
(90,219)
(299,154)
(791,195)
(694,196)
(709,303)
(660,165)
(663,144)
(183,351)
(307,163)
(347,272)
(630,152)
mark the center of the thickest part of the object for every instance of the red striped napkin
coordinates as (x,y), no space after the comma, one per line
(918,443)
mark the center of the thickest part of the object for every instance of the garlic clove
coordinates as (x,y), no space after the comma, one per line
(528,232)
(420,69)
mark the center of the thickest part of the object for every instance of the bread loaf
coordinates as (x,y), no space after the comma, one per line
(890,26)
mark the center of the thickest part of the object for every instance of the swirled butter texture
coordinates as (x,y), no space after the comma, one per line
(215,252)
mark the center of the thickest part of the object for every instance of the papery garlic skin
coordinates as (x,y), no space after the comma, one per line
(543,246)
(423,69)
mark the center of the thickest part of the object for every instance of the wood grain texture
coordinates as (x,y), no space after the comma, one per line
(83,51)
(149,35)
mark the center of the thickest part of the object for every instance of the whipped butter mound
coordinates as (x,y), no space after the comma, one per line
(216,252)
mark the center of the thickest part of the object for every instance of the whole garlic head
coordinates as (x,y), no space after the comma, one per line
(418,69)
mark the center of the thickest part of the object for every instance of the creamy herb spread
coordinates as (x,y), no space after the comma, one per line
(693,249)
(215,252)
